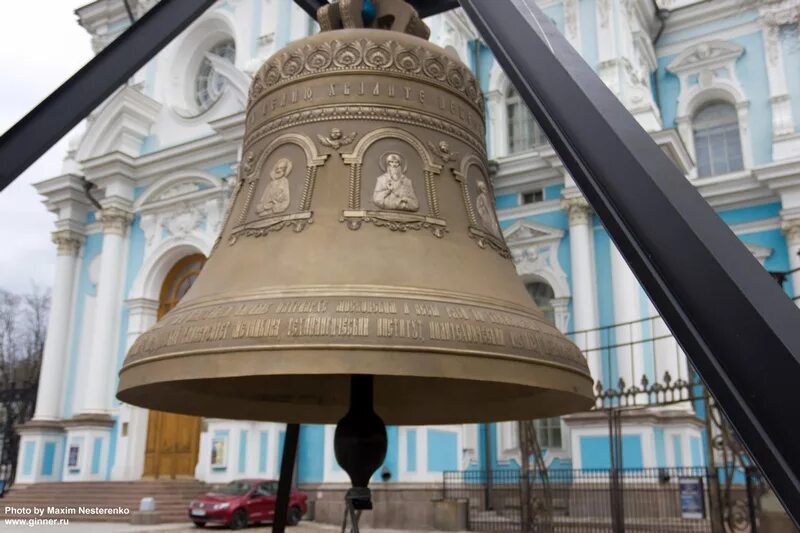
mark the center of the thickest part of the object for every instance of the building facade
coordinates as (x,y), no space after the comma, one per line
(715,83)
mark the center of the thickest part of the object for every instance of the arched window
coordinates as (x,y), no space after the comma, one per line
(209,83)
(178,281)
(543,295)
(523,131)
(717,143)
(548,430)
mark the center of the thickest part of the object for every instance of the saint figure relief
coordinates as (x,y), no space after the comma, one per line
(276,194)
(483,205)
(393,189)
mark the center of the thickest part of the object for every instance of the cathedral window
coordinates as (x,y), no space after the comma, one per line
(717,141)
(523,131)
(548,432)
(209,84)
(543,295)
(531,197)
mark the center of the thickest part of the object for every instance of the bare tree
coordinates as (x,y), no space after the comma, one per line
(23,325)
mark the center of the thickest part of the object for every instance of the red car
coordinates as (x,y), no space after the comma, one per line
(244,502)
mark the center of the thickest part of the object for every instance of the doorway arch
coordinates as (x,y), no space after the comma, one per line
(173,440)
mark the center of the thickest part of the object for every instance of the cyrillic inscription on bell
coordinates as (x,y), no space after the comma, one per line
(361,239)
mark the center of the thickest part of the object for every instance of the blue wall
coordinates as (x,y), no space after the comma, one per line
(243,451)
(588,18)
(263,439)
(791,63)
(310,467)
(411,450)
(752,74)
(48,458)
(27,458)
(97,450)
(596,452)
(442,450)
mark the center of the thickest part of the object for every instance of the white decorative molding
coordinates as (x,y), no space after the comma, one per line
(119,125)
(709,55)
(700,71)
(534,248)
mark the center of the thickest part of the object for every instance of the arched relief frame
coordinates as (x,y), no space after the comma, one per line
(251,171)
(355,214)
(477,231)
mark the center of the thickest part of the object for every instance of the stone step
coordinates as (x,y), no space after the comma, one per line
(172,498)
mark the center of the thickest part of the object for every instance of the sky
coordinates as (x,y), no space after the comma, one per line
(41,45)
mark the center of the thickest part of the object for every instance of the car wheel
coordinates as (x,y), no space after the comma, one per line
(239,519)
(199,524)
(293,517)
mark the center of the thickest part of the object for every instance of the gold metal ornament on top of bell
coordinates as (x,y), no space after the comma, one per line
(361,239)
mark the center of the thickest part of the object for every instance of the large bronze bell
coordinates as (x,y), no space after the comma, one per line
(361,239)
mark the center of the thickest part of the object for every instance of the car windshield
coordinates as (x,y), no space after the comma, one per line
(234,488)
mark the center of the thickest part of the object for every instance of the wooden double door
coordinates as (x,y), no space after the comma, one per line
(173,441)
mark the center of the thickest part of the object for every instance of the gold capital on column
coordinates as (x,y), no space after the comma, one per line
(115,220)
(578,210)
(68,242)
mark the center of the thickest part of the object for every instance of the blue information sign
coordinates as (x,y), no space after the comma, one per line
(693,504)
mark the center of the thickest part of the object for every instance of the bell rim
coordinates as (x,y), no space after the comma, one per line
(160,384)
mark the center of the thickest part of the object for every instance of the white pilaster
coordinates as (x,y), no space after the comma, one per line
(791,230)
(774,15)
(54,357)
(583,284)
(96,398)
(630,363)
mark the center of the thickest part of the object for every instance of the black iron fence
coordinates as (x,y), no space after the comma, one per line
(634,500)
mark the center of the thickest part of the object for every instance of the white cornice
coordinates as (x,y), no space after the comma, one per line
(756,226)
(738,189)
(231,128)
(525,170)
(779,175)
(66,197)
(702,13)
(197,153)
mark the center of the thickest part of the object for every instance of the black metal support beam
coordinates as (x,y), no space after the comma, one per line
(40,129)
(738,328)
(290,441)
(311,6)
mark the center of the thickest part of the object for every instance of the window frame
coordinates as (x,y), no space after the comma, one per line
(534,138)
(724,130)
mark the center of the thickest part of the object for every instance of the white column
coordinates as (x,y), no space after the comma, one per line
(630,364)
(54,357)
(103,353)
(791,230)
(584,305)
(774,15)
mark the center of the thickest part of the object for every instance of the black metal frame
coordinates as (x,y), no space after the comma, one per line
(674,242)
(678,247)
(57,114)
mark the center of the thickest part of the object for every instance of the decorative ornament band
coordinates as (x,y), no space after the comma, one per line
(351,55)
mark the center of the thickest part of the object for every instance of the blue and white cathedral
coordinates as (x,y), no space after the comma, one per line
(715,83)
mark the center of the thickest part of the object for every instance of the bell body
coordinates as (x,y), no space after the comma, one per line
(361,239)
